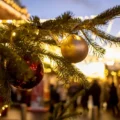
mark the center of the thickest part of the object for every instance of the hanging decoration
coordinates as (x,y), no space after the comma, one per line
(31,37)
(74,48)
(28,79)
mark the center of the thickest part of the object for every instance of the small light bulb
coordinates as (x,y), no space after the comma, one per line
(6,106)
(3,108)
(14,34)
(9,21)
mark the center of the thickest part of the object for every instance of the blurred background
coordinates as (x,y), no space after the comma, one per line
(35,104)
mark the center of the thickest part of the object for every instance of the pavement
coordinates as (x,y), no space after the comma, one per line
(16,114)
(93,114)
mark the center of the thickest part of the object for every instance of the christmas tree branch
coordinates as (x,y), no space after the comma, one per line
(61,24)
(19,66)
(100,19)
(106,16)
(68,116)
(65,69)
(48,41)
(31,37)
(63,113)
(98,49)
(105,35)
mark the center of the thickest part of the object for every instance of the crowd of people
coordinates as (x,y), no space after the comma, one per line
(97,93)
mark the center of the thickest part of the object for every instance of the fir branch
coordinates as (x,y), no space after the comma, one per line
(5,34)
(100,19)
(106,16)
(31,37)
(48,41)
(65,69)
(65,17)
(18,65)
(35,21)
(61,24)
(62,114)
(98,49)
(105,35)
(68,116)
(57,110)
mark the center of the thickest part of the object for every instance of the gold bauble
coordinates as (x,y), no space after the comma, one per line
(74,48)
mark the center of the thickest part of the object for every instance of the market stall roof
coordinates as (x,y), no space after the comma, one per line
(9,9)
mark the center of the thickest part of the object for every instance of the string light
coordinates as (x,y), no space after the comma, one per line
(119,73)
(6,106)
(113,73)
(9,21)
(13,21)
(16,7)
(14,34)
(3,108)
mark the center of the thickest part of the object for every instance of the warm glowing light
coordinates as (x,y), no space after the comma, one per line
(47,70)
(113,73)
(100,59)
(3,108)
(112,54)
(118,73)
(9,21)
(77,37)
(37,32)
(106,72)
(14,34)
(91,69)
(6,106)
(46,60)
(110,63)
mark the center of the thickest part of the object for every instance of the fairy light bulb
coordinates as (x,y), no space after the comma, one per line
(14,34)
(9,21)
(3,108)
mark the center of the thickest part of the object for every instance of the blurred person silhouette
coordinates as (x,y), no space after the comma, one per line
(54,98)
(13,94)
(95,92)
(105,94)
(84,100)
(113,99)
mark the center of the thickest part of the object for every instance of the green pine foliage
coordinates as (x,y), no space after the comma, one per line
(30,38)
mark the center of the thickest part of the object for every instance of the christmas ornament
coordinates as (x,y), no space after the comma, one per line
(26,80)
(74,48)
